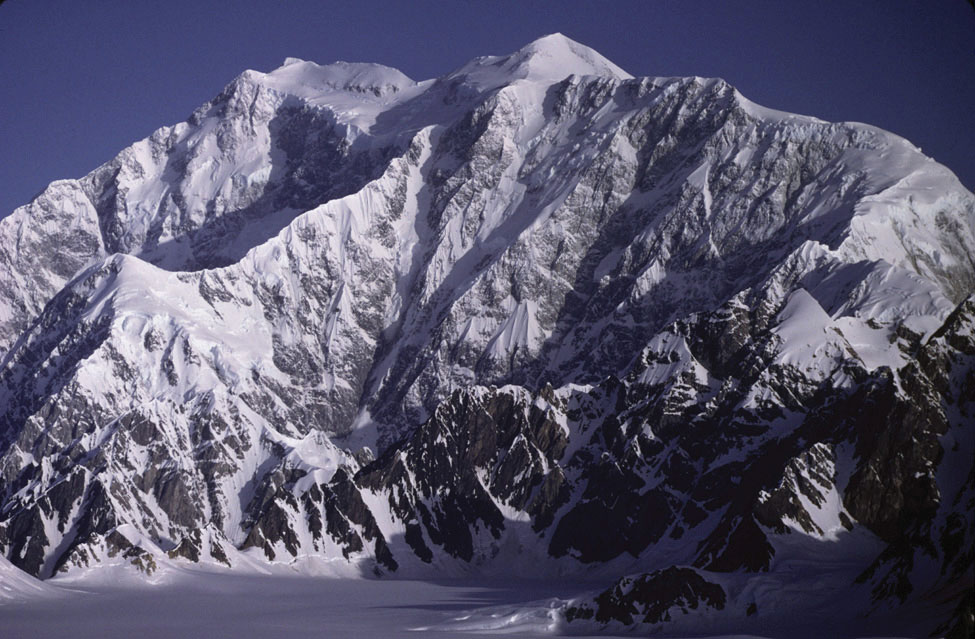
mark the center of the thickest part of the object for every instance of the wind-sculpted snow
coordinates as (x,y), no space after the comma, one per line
(448,326)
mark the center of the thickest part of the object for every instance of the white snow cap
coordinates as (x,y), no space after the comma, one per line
(556,56)
(357,77)
(551,58)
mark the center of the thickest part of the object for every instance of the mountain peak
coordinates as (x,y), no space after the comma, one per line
(299,76)
(558,56)
(553,42)
(282,327)
(550,58)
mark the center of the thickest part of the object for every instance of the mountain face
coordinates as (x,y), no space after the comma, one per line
(536,316)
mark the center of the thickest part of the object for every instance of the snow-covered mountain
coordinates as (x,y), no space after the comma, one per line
(535,315)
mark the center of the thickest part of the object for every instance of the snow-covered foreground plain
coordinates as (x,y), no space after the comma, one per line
(107,603)
(234,605)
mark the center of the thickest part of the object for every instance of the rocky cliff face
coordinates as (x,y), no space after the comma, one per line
(533,309)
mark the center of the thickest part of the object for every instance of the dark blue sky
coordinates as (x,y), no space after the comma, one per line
(81,80)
